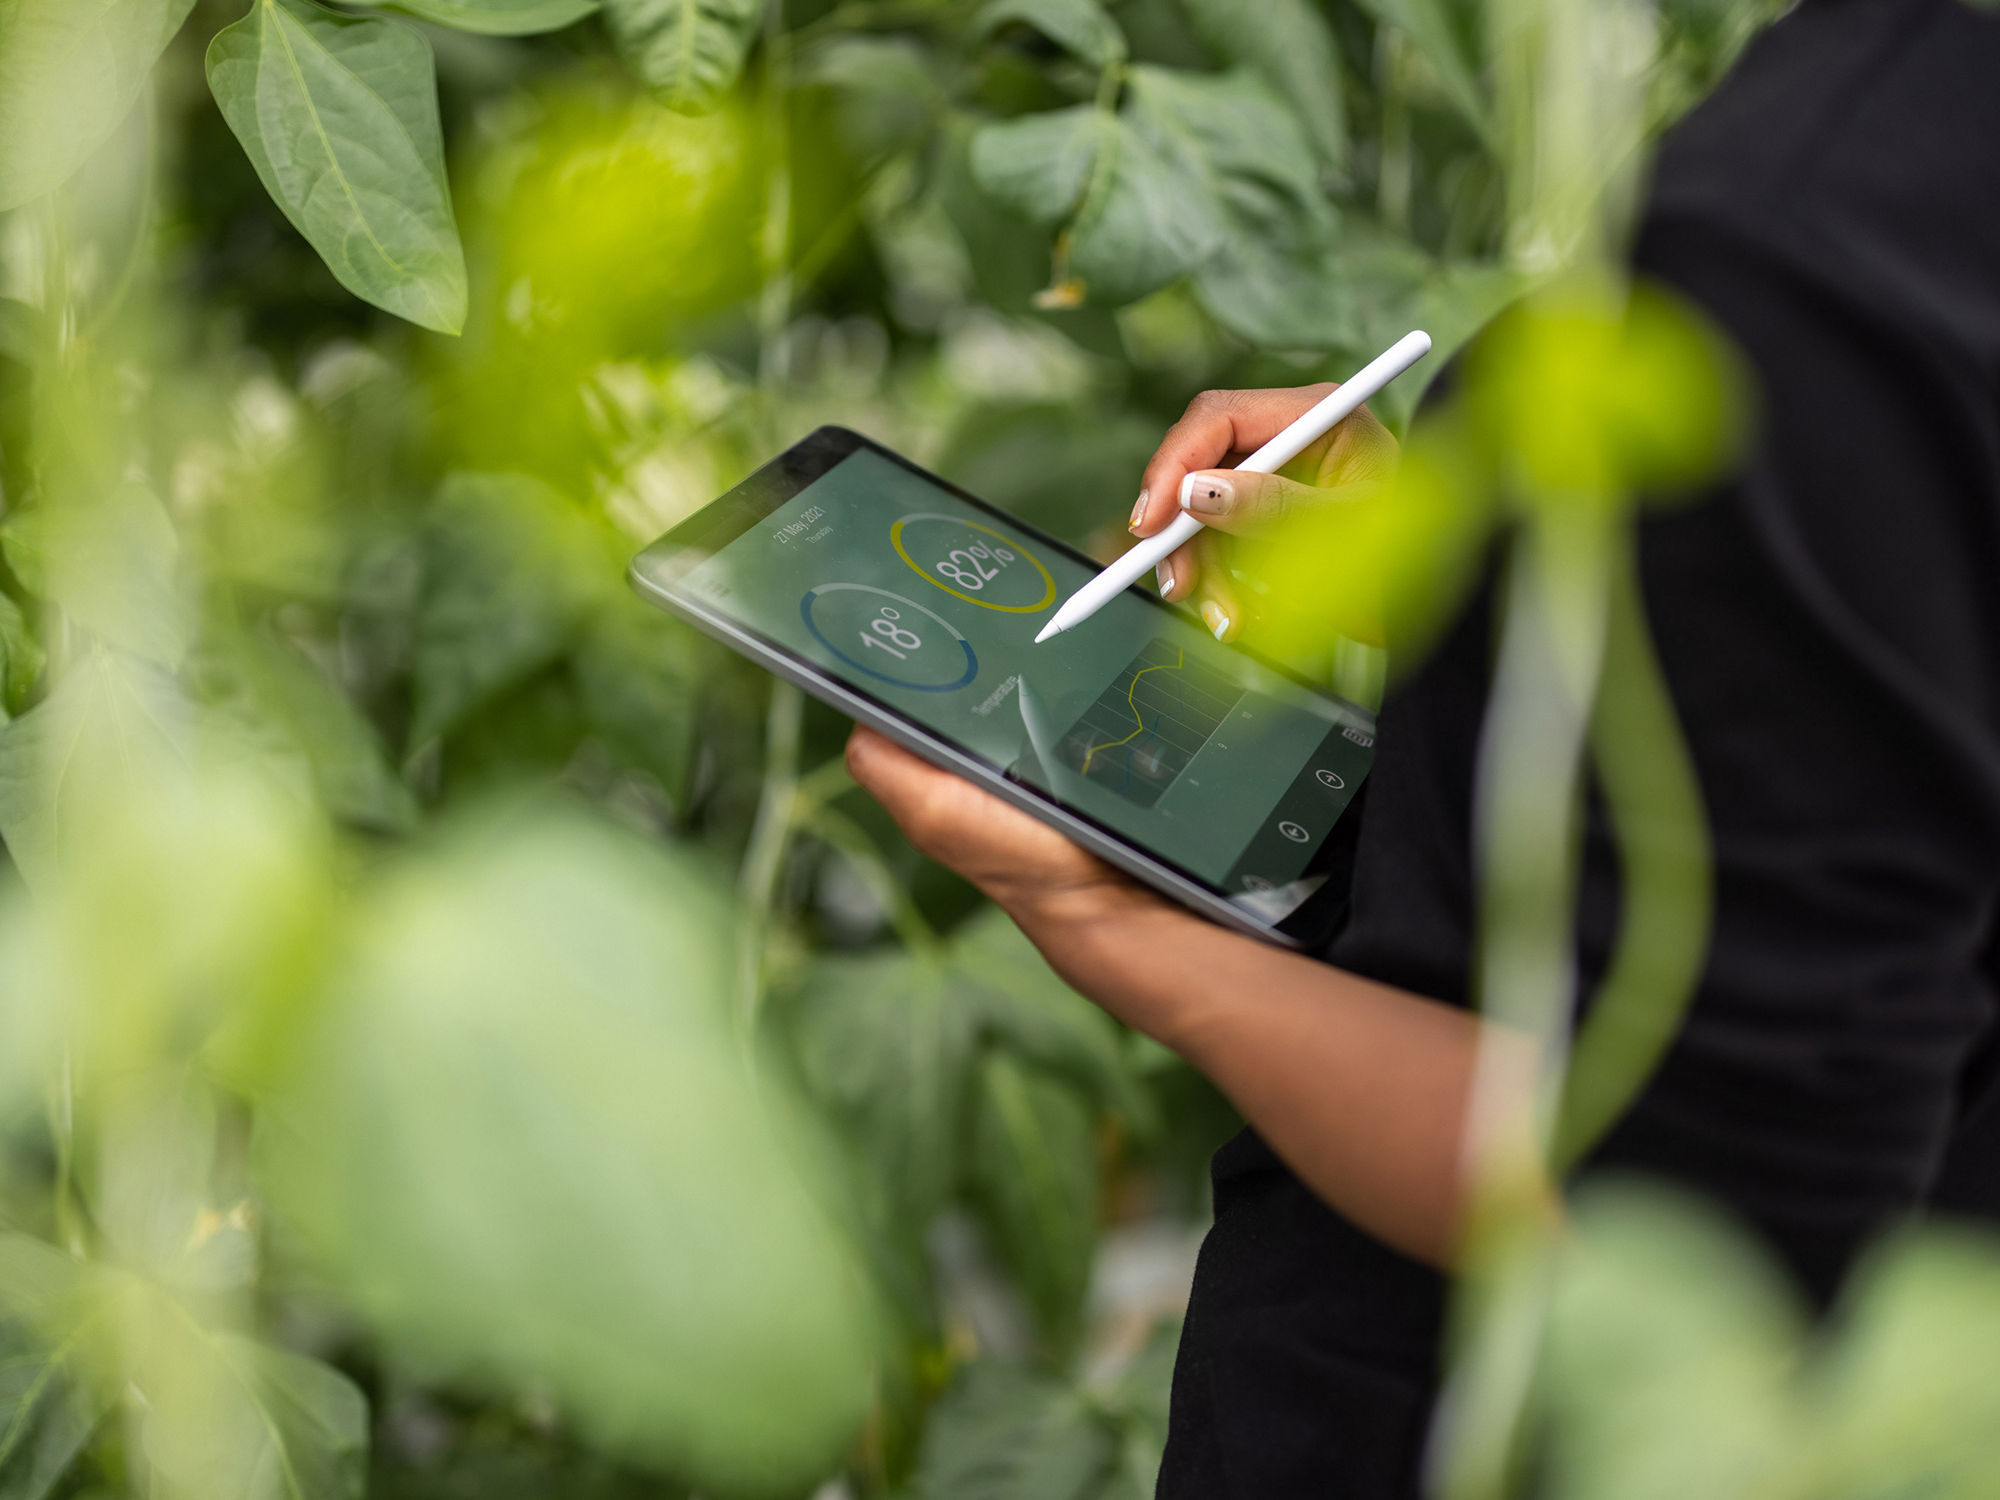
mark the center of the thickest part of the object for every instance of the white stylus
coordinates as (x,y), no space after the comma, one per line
(1274,455)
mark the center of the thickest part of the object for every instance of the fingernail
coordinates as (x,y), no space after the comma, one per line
(1207,494)
(1213,617)
(1165,573)
(1138,512)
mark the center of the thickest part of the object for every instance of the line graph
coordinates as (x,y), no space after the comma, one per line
(1147,724)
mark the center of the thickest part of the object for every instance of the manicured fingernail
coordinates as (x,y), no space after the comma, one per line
(1216,621)
(1165,573)
(1207,494)
(1138,511)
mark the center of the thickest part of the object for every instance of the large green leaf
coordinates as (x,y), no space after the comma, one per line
(522,1137)
(1131,223)
(1035,1181)
(226,1418)
(686,51)
(339,116)
(109,559)
(1002,1432)
(1271,278)
(639,686)
(49,1402)
(1082,26)
(1290,45)
(495,17)
(512,572)
(69,73)
(110,732)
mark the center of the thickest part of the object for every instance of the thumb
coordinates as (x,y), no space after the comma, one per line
(1233,500)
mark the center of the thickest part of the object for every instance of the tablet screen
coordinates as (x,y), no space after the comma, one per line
(1138,719)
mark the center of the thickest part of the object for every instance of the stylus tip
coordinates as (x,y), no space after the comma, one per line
(1052,628)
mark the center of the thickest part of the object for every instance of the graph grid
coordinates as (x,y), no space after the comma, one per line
(1147,725)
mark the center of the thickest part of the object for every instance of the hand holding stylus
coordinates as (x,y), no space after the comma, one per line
(1216,425)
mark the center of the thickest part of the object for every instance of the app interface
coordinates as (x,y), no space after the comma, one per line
(1137,717)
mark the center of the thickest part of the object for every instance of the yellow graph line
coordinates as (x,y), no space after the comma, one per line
(1130,703)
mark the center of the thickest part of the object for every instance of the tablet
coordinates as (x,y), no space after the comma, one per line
(900,599)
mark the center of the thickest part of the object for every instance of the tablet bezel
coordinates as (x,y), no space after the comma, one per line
(659,567)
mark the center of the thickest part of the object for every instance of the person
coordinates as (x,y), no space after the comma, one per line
(1828,621)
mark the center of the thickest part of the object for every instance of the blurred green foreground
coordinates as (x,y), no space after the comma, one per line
(460,1034)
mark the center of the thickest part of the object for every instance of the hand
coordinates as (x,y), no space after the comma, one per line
(1348,464)
(1088,920)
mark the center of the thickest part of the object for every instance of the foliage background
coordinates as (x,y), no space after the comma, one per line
(463,1036)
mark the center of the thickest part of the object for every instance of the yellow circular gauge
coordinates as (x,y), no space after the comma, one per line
(973,562)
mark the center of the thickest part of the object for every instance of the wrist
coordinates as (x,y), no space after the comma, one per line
(1128,950)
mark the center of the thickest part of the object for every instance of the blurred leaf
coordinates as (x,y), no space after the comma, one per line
(69,73)
(495,17)
(279,688)
(20,330)
(1271,279)
(512,570)
(1905,1401)
(525,1094)
(1131,223)
(1290,45)
(1006,1433)
(1035,1180)
(639,685)
(1672,1344)
(21,657)
(688,52)
(49,1403)
(23,539)
(109,559)
(340,118)
(226,1418)
(1434,33)
(106,733)
(1081,26)
(886,1047)
(1020,1002)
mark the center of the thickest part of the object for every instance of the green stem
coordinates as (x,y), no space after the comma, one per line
(764,860)
(845,835)
(1654,806)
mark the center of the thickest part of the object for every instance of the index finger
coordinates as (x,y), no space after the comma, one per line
(1217,424)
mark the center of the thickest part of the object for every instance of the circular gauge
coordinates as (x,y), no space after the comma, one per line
(888,637)
(973,562)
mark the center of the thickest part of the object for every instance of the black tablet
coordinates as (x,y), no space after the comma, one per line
(1197,767)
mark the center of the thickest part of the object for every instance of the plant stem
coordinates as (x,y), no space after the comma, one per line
(764,860)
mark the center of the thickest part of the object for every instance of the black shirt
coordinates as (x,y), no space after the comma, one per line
(1829,623)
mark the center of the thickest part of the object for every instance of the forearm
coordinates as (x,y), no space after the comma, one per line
(1361,1088)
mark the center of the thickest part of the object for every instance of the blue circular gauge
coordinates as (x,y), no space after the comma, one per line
(888,637)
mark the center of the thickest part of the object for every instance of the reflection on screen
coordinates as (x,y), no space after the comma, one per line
(1137,718)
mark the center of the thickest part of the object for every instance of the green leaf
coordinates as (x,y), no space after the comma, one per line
(1081,26)
(1133,223)
(1002,1432)
(111,730)
(1906,1402)
(1288,43)
(49,1404)
(277,688)
(521,1135)
(1271,279)
(340,118)
(69,73)
(1672,1343)
(20,330)
(21,657)
(639,685)
(1035,1179)
(494,17)
(1434,33)
(688,52)
(24,542)
(512,571)
(109,559)
(1000,979)
(226,1418)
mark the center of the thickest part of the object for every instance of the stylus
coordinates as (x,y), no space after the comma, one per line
(1274,455)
